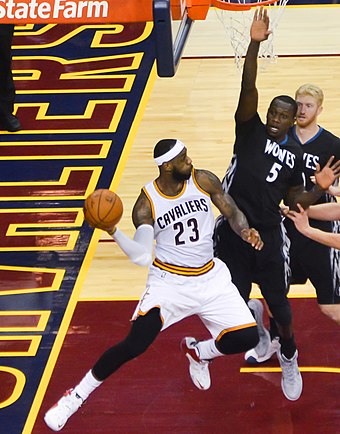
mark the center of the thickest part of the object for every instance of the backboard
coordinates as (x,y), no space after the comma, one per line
(172,19)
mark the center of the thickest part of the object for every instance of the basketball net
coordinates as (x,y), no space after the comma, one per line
(237,22)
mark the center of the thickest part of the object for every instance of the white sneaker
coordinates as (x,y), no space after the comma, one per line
(291,382)
(57,416)
(253,358)
(266,347)
(199,369)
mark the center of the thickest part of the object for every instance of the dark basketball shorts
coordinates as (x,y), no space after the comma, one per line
(316,262)
(269,268)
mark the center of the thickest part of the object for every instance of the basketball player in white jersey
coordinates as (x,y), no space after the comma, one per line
(184,279)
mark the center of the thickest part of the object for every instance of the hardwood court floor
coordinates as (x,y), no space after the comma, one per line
(197,106)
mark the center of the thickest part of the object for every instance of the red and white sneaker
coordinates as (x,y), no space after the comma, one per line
(199,369)
(57,416)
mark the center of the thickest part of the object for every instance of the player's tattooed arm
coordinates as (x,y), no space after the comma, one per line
(142,211)
(139,250)
(227,207)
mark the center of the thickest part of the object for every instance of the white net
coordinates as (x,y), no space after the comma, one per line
(237,26)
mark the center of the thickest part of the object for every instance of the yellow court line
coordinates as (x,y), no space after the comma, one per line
(40,327)
(108,299)
(106,144)
(322,369)
(86,265)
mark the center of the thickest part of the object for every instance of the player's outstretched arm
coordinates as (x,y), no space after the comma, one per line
(324,179)
(301,222)
(325,211)
(248,101)
(227,207)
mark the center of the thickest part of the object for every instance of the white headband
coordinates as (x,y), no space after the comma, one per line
(172,153)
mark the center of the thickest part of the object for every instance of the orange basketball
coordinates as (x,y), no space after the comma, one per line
(103,207)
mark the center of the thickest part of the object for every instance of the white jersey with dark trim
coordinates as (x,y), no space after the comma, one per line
(183,224)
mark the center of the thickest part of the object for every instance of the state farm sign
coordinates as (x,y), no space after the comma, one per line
(72,11)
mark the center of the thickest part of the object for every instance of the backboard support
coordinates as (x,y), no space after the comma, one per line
(164,14)
(169,47)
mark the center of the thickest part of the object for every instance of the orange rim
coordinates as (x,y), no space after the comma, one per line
(220,4)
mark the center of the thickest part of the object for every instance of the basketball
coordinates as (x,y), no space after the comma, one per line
(103,208)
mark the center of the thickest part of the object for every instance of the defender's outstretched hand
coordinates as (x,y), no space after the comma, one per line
(252,237)
(300,218)
(325,178)
(259,29)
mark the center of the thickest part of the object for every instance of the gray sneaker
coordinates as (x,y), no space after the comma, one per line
(261,352)
(291,382)
(253,358)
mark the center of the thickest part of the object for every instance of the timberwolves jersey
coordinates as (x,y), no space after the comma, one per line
(261,172)
(318,149)
(310,259)
(183,224)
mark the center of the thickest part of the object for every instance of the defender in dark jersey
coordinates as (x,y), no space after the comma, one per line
(310,259)
(266,168)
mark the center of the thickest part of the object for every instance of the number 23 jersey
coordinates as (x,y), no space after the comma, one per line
(183,224)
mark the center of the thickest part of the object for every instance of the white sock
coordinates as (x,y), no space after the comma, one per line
(87,385)
(207,350)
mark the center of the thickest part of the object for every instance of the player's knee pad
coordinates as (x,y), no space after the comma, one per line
(238,341)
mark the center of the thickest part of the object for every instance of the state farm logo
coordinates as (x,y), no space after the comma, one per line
(53,9)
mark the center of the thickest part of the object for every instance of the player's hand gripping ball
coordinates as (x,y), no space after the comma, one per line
(103,209)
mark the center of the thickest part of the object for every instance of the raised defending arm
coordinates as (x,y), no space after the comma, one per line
(248,101)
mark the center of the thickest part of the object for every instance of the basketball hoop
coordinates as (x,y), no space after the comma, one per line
(237,16)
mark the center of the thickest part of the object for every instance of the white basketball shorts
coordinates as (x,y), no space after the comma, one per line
(212,296)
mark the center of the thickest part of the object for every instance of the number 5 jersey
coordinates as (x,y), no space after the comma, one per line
(261,173)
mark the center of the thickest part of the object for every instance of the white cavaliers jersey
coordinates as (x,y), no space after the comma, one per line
(183,226)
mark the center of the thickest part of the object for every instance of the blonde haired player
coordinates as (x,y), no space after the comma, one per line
(184,278)
(309,259)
